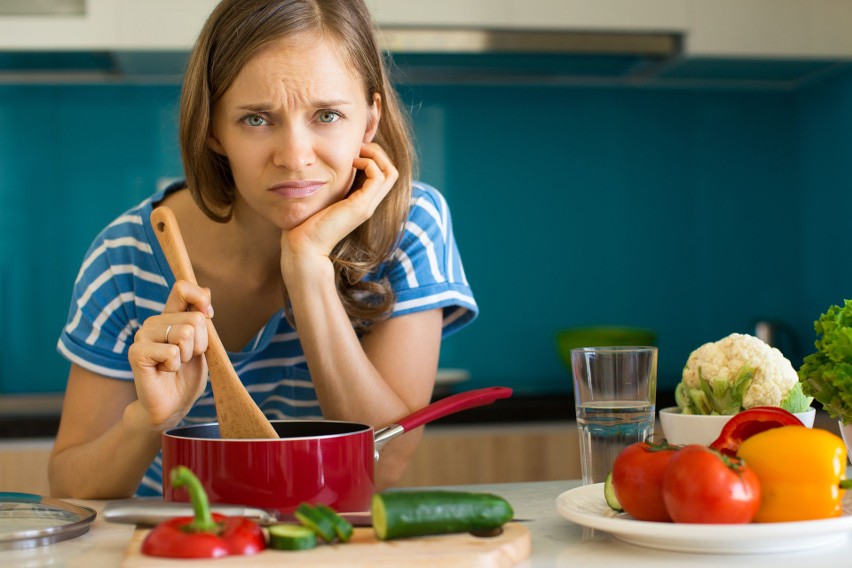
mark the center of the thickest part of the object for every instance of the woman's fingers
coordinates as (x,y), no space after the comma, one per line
(186,330)
(186,296)
(380,174)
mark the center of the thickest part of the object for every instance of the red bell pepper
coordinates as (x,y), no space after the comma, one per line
(206,535)
(747,423)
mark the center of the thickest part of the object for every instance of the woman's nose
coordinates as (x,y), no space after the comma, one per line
(294,149)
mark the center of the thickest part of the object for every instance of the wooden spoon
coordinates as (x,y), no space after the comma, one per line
(238,415)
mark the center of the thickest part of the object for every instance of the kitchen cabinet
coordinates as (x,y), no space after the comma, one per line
(23,466)
(95,30)
(576,15)
(495,453)
(770,28)
(446,456)
(109,25)
(710,28)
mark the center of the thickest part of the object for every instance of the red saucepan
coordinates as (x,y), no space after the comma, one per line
(318,461)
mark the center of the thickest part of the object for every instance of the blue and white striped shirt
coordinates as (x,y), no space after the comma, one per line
(125,279)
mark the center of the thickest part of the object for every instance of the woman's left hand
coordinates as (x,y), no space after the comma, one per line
(322,231)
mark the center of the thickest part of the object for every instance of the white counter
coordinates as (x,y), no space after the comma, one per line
(555,541)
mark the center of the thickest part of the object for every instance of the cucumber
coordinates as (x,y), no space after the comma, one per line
(399,514)
(342,528)
(609,494)
(290,536)
(317,521)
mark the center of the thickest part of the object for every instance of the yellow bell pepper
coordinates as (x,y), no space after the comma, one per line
(801,470)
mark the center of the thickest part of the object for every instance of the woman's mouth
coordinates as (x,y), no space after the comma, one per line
(297,189)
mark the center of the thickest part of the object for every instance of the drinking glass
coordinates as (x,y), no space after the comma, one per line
(615,392)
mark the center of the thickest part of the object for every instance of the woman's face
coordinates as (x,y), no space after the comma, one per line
(290,126)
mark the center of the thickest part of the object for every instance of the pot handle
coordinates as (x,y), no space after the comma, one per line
(441,408)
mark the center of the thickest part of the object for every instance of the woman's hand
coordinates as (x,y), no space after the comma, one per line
(322,231)
(169,371)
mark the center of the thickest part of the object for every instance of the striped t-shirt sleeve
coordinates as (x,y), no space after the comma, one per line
(118,286)
(426,270)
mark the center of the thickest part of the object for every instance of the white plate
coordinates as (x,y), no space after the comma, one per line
(586,506)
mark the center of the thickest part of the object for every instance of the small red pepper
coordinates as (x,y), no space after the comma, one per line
(206,535)
(747,423)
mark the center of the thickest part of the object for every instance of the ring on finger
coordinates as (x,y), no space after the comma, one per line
(168,330)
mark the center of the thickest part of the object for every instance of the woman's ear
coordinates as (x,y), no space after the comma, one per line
(374,114)
(214,144)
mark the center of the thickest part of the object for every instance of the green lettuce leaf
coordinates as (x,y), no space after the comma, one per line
(826,374)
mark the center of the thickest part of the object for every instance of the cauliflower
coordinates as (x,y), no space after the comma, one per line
(738,372)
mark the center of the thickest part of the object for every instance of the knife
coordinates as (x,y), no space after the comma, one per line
(150,512)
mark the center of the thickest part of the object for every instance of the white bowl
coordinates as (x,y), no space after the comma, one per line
(701,429)
(846,434)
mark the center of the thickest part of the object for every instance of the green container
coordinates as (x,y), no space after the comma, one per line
(601,336)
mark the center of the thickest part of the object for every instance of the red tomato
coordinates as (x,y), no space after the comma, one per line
(637,478)
(749,422)
(701,485)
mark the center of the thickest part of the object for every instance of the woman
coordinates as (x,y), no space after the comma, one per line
(333,275)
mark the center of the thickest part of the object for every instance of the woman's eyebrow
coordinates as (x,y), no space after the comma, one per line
(331,103)
(266,106)
(254,107)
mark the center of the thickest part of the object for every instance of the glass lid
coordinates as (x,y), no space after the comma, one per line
(28,520)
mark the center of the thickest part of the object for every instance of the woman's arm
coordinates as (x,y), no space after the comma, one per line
(384,377)
(391,371)
(103,446)
(111,429)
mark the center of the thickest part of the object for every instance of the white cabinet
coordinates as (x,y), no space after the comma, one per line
(771,28)
(160,24)
(93,31)
(573,15)
(710,28)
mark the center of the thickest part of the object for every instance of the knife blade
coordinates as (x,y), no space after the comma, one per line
(150,512)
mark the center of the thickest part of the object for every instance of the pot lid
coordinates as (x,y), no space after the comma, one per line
(28,520)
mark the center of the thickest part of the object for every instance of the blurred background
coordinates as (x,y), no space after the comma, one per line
(678,166)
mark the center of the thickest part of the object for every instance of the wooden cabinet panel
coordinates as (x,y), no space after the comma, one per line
(494,454)
(23,466)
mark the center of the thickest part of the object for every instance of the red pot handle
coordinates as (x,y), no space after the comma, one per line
(453,404)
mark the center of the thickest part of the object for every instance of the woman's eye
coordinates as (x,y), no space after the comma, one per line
(328,116)
(254,120)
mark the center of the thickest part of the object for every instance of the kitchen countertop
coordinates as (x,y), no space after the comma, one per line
(555,541)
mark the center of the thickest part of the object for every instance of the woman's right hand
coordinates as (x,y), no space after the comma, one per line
(166,356)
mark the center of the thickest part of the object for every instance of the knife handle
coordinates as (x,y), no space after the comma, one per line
(150,513)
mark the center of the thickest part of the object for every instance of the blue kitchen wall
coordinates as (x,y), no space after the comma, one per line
(691,212)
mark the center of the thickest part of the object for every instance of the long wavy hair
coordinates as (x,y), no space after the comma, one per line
(235,32)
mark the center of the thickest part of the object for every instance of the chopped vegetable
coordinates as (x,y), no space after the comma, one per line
(342,528)
(801,470)
(750,422)
(399,514)
(736,373)
(206,535)
(827,374)
(290,536)
(609,495)
(319,522)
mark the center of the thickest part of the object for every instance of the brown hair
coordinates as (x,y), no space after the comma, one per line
(236,31)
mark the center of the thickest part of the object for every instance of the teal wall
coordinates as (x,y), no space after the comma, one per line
(692,212)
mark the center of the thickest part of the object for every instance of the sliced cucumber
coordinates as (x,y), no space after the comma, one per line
(609,494)
(342,528)
(290,536)
(399,514)
(317,521)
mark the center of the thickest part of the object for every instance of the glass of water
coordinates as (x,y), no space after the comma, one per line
(615,390)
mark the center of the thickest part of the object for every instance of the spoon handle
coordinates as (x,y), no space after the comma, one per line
(238,415)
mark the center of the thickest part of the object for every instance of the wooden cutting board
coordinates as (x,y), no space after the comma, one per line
(364,550)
